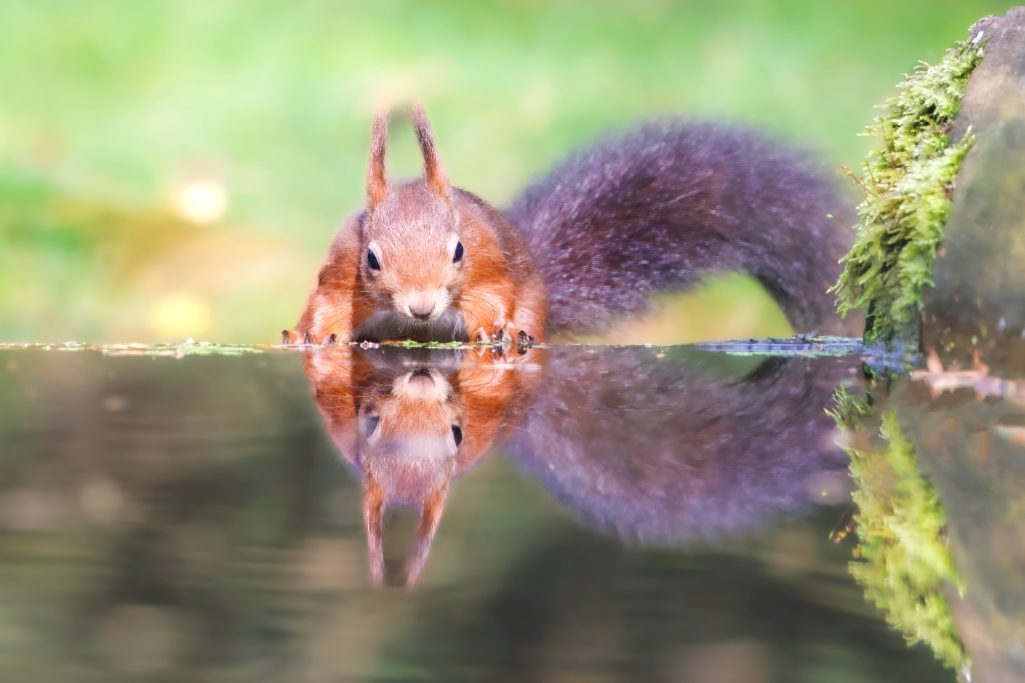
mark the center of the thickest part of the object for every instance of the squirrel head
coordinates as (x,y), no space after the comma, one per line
(413,257)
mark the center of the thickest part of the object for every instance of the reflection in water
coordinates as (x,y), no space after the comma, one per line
(661,447)
(410,422)
(673,447)
(904,561)
(185,519)
(655,446)
(939,465)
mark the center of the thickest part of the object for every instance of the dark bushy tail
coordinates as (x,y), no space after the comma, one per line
(659,207)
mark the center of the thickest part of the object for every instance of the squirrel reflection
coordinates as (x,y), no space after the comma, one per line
(655,449)
(410,422)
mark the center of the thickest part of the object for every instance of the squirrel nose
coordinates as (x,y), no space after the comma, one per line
(422,310)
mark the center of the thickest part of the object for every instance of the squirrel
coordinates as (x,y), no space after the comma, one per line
(653,209)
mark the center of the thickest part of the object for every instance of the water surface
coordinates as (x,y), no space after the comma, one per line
(601,514)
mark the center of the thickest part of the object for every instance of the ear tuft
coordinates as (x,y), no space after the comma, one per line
(430,517)
(377,183)
(373,520)
(434,170)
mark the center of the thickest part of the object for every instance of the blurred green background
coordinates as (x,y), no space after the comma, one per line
(177,169)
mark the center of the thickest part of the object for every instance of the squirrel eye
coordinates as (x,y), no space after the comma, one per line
(372,261)
(458,256)
(457,434)
(371,423)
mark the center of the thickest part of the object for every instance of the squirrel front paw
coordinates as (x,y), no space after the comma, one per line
(307,338)
(516,337)
(524,342)
(500,332)
(483,336)
(507,335)
(292,337)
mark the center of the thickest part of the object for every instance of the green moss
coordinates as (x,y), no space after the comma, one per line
(902,561)
(849,411)
(908,182)
(410,344)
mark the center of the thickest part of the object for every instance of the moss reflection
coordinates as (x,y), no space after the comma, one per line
(903,558)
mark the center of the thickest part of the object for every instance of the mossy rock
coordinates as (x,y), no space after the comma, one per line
(907,183)
(937,260)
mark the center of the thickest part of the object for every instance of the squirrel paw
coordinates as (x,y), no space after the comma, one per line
(497,331)
(483,337)
(293,337)
(307,338)
(524,342)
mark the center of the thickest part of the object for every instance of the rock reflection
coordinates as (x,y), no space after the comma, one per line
(654,446)
(938,462)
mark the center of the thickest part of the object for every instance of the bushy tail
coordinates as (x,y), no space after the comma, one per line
(659,207)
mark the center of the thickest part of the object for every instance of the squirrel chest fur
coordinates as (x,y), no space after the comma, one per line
(652,210)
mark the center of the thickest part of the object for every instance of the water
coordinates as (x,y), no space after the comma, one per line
(609,514)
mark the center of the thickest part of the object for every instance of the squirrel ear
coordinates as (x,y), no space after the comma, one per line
(434,171)
(373,520)
(430,516)
(377,184)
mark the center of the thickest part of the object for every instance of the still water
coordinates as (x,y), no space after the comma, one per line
(568,514)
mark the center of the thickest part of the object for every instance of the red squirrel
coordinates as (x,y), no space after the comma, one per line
(653,209)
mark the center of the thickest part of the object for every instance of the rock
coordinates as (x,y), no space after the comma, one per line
(977,302)
(968,448)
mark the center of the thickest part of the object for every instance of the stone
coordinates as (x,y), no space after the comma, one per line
(977,303)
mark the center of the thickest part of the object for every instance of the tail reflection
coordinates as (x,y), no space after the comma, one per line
(673,448)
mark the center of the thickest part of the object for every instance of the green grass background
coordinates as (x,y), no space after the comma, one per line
(106,106)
